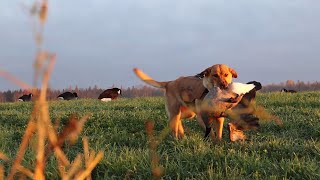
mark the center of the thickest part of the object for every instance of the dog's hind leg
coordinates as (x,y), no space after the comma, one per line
(176,124)
(174,113)
(180,128)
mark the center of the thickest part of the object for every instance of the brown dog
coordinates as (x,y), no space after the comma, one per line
(181,94)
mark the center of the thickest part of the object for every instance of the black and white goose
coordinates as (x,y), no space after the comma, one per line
(68,96)
(288,90)
(110,94)
(218,101)
(25,97)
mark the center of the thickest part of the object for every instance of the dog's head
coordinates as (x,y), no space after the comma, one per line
(219,75)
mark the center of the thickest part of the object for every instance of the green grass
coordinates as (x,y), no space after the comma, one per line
(291,151)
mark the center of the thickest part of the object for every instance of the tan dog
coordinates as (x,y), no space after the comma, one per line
(181,94)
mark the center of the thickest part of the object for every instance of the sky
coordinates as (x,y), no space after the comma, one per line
(99,42)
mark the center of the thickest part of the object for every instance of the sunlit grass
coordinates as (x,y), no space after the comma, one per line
(118,128)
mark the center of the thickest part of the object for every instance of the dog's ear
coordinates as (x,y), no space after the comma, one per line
(204,73)
(233,72)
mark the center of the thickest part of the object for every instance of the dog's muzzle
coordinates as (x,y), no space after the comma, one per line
(224,85)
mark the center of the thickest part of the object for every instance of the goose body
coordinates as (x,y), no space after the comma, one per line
(110,94)
(218,101)
(25,97)
(240,88)
(68,96)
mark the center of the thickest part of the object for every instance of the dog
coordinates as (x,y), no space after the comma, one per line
(181,94)
(110,94)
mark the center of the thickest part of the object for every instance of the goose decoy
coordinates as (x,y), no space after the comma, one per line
(25,97)
(68,96)
(110,94)
(218,101)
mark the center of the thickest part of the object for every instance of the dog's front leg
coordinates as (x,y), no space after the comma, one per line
(218,125)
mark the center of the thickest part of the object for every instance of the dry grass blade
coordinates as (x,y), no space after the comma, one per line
(61,156)
(40,121)
(43,122)
(1,172)
(46,77)
(258,111)
(71,131)
(25,171)
(263,114)
(4,157)
(62,169)
(75,166)
(43,12)
(73,136)
(156,170)
(91,156)
(15,80)
(39,170)
(86,154)
(91,166)
(56,142)
(25,140)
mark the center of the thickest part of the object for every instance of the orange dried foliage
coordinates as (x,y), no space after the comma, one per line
(40,124)
(156,169)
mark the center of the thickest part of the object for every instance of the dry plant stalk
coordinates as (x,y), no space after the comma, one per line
(15,80)
(3,157)
(86,154)
(92,163)
(40,123)
(25,171)
(1,172)
(257,111)
(156,169)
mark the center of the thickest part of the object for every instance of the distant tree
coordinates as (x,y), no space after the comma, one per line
(290,83)
(8,96)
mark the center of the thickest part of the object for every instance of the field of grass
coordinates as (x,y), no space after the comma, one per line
(291,151)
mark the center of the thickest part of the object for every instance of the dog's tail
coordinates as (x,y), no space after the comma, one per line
(144,77)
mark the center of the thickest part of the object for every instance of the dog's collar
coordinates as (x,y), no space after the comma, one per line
(199,76)
(205,92)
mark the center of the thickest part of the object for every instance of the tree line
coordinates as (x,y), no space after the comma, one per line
(146,91)
(91,92)
(298,86)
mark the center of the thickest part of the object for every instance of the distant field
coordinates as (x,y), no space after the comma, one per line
(288,152)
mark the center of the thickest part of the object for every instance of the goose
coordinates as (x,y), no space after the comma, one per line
(25,97)
(109,94)
(68,96)
(218,102)
(288,90)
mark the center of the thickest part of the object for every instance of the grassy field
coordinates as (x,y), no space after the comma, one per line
(291,151)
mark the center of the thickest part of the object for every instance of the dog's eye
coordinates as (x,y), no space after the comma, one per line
(216,75)
(226,75)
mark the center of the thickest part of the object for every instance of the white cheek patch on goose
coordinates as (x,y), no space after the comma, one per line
(240,88)
(61,98)
(119,91)
(20,99)
(106,99)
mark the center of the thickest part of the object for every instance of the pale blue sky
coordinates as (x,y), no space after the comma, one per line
(98,42)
